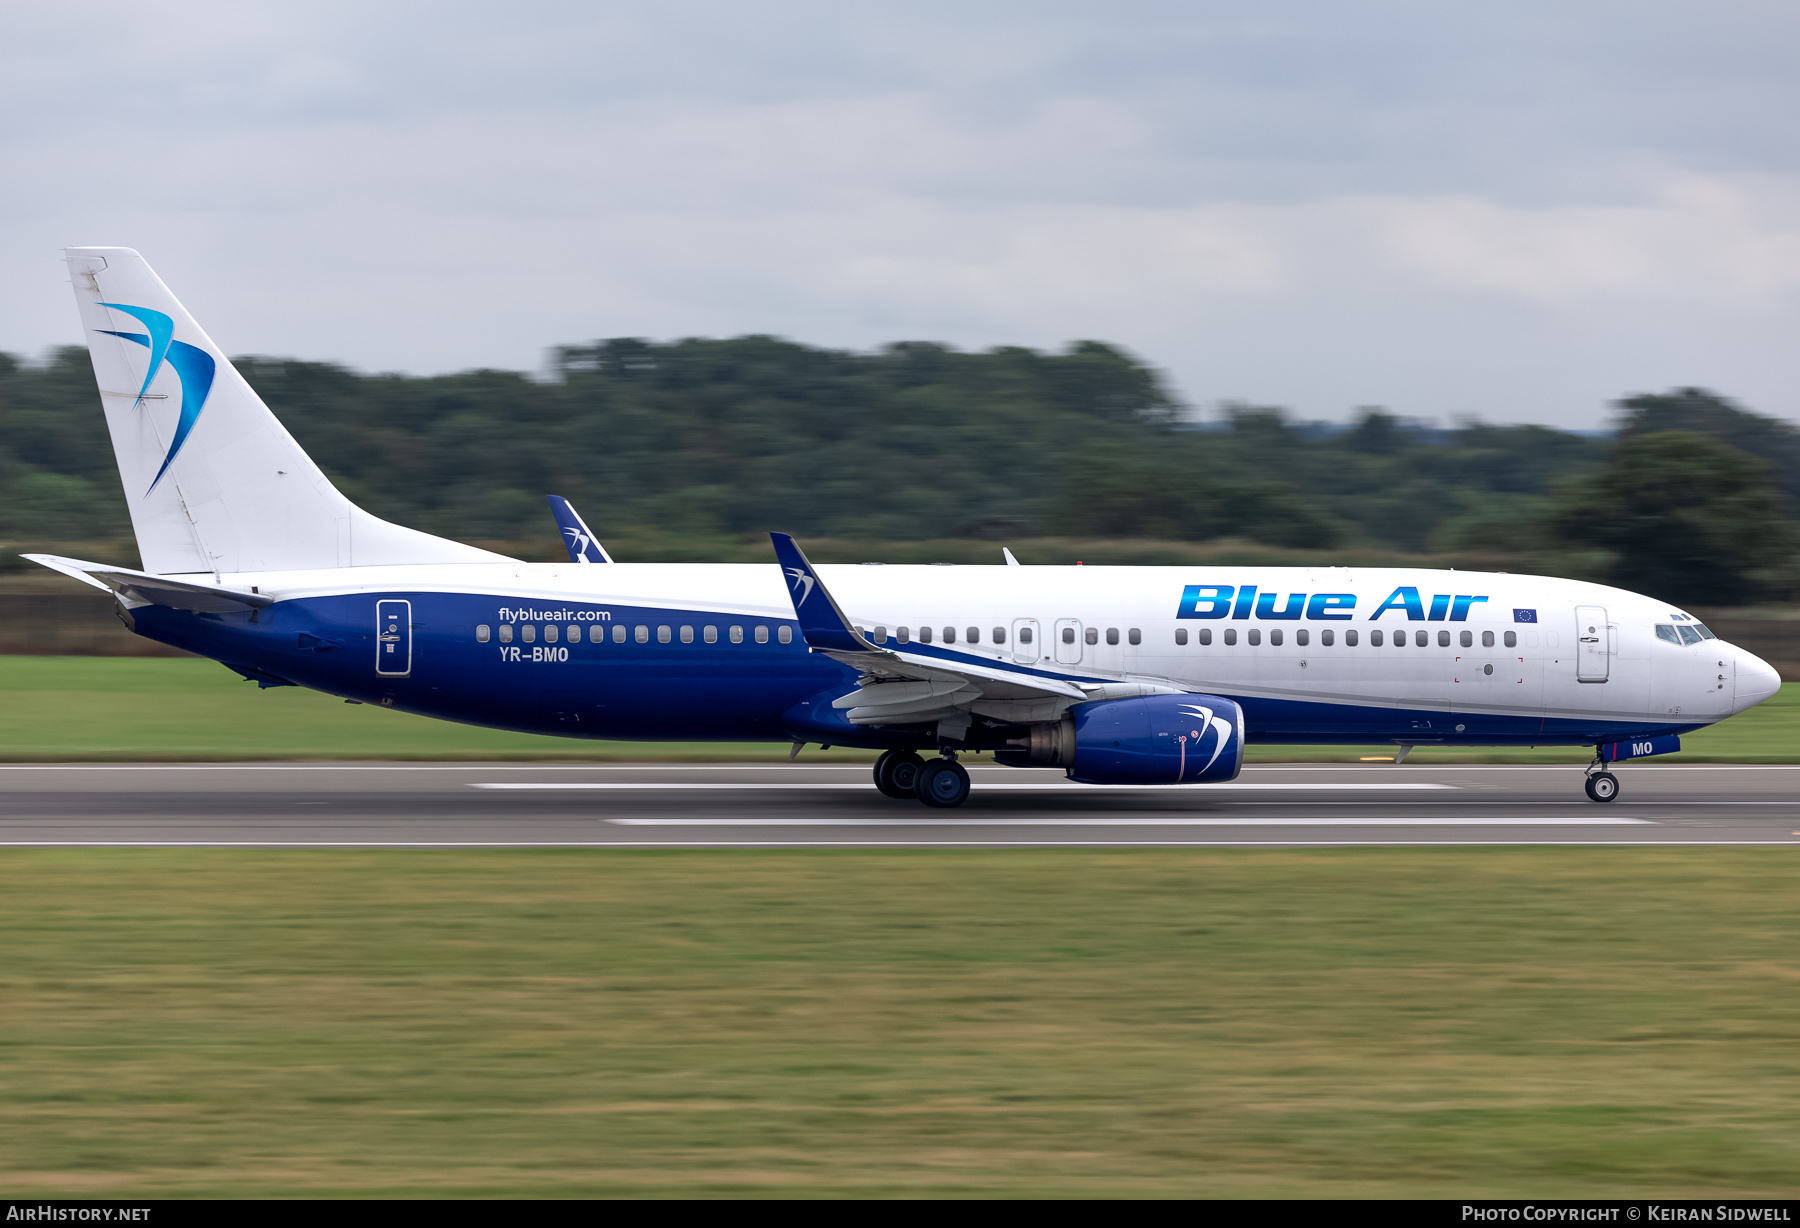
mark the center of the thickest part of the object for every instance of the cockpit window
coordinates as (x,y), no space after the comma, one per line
(1704,633)
(1666,632)
(1688,634)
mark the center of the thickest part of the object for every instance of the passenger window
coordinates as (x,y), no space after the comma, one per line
(618,635)
(974,635)
(528,633)
(663,635)
(1688,634)
(1301,636)
(737,635)
(1467,638)
(1326,637)
(1350,638)
(1112,635)
(1511,639)
(949,635)
(1231,637)
(687,635)
(1024,635)
(1091,635)
(785,634)
(482,633)
(880,636)
(1487,639)
(1444,639)
(550,634)
(1423,638)
(762,635)
(1275,637)
(901,634)
(1374,638)
(924,635)
(641,634)
(575,634)
(1068,635)
(506,633)
(710,634)
(1134,636)
(999,635)
(1181,635)
(1205,637)
(1255,636)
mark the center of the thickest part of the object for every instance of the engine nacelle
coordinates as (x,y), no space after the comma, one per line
(1158,740)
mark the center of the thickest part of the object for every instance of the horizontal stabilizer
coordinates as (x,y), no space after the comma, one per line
(583,546)
(140,588)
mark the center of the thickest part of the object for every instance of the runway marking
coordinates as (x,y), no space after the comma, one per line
(1158,821)
(883,844)
(863,786)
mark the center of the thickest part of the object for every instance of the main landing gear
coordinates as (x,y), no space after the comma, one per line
(1601,785)
(942,784)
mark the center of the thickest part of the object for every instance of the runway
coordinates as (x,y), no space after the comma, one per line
(360,805)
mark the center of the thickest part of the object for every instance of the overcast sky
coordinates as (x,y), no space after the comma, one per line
(1517,211)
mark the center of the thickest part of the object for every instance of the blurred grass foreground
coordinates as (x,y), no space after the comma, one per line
(75,709)
(1331,1023)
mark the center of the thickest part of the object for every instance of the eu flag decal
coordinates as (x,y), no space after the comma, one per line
(1524,616)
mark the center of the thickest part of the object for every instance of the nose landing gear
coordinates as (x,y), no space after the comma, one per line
(1601,785)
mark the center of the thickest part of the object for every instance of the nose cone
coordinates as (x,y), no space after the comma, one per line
(1756,681)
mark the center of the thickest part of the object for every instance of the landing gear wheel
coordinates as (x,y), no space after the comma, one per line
(943,784)
(1602,786)
(897,772)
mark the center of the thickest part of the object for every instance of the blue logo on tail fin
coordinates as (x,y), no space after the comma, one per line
(193,366)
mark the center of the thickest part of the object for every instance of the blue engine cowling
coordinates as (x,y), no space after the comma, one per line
(1158,740)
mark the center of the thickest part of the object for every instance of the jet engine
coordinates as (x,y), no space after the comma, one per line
(1149,740)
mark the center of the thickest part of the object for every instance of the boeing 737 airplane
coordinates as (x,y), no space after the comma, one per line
(1136,675)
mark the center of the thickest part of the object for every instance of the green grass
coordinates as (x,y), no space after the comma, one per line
(1445,1023)
(115,708)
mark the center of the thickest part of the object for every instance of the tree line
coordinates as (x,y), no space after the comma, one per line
(1692,497)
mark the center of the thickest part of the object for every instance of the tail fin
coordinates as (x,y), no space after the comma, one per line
(583,546)
(214,482)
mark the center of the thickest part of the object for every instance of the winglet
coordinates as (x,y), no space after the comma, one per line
(822,624)
(1010,560)
(583,547)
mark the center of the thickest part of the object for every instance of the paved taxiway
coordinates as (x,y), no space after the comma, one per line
(517,805)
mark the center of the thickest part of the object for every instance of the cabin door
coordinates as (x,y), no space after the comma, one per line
(393,638)
(1592,644)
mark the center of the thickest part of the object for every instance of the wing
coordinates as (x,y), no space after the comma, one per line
(903,687)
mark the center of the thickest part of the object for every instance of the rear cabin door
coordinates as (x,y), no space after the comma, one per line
(393,638)
(1068,641)
(1593,657)
(1025,639)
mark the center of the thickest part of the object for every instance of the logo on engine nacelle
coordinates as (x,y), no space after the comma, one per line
(1217,724)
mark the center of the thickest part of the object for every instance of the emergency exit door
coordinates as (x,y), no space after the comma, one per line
(1593,644)
(393,638)
(1068,641)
